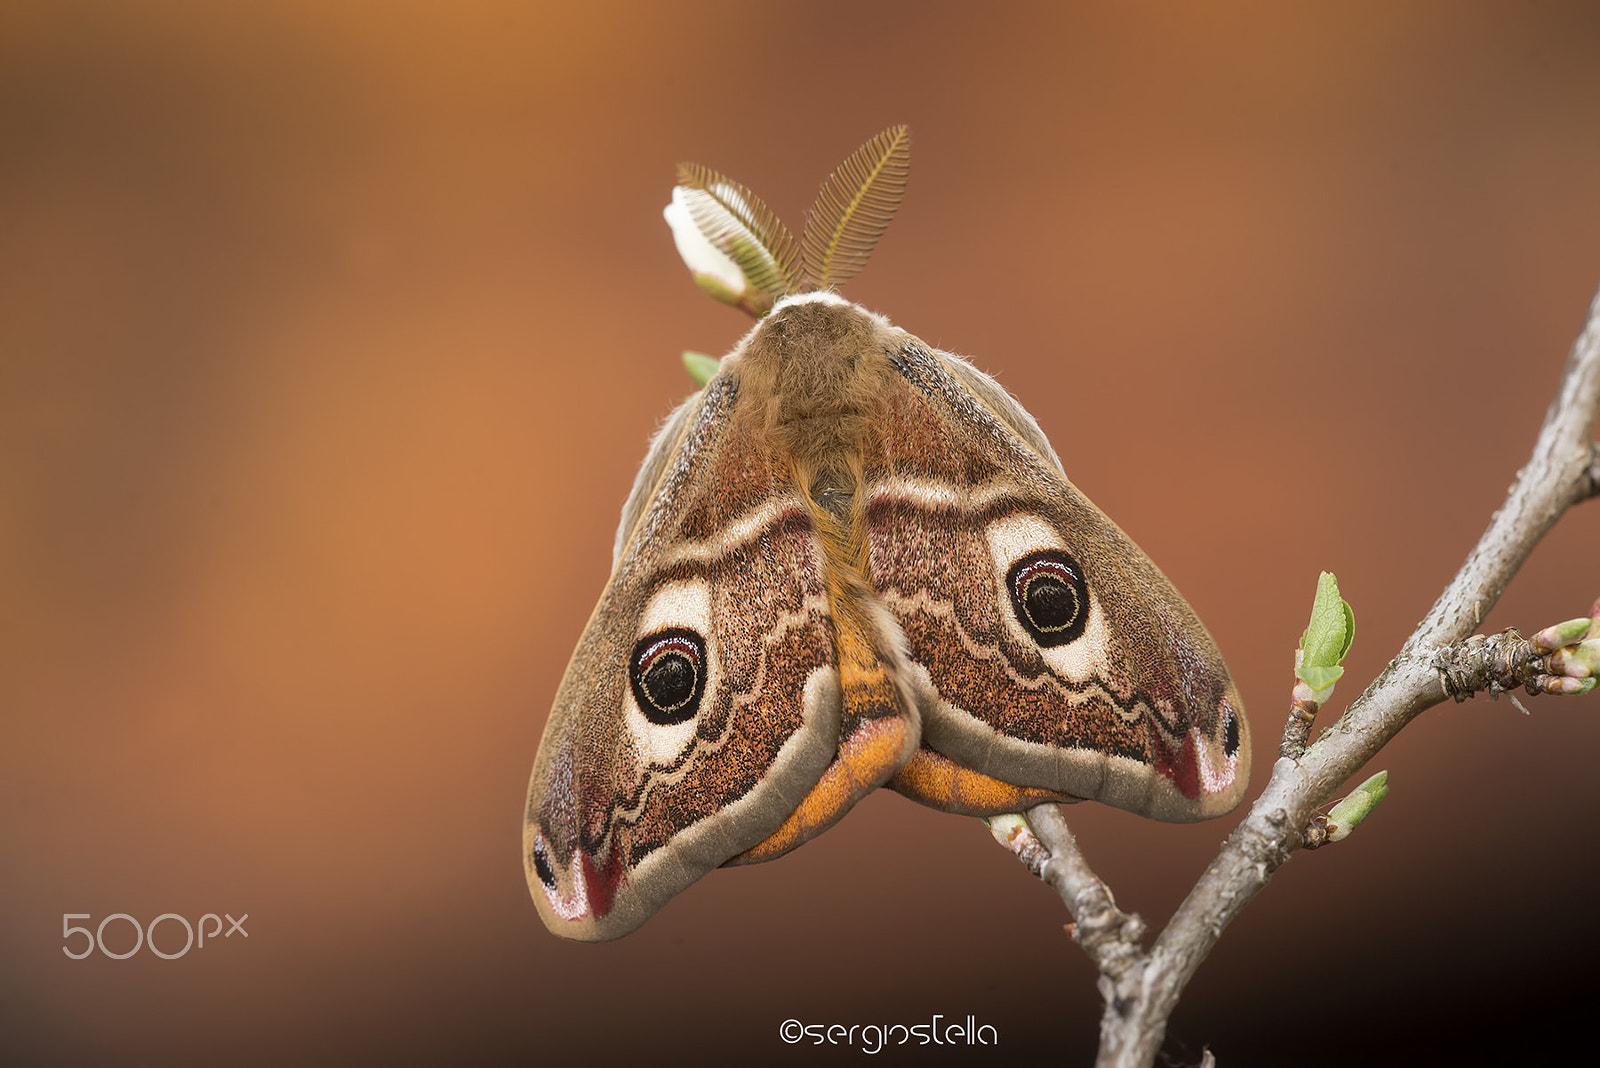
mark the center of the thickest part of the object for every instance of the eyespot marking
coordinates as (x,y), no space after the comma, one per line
(1075,646)
(667,672)
(671,670)
(1050,597)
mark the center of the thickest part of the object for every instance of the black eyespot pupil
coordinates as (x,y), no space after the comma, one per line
(667,673)
(1049,596)
(1050,603)
(541,866)
(1230,734)
(669,680)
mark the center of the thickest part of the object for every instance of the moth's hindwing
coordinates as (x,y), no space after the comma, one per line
(1052,653)
(702,702)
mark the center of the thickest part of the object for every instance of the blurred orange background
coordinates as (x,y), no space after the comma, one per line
(331,336)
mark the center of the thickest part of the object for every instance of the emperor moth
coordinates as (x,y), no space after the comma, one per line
(850,561)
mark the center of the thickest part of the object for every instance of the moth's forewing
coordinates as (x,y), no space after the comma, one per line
(703,699)
(1056,654)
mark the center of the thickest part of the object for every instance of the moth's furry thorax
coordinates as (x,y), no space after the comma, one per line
(811,376)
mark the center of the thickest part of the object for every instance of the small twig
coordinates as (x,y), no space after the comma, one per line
(1109,935)
(1495,663)
(1500,662)
(1141,989)
(1297,730)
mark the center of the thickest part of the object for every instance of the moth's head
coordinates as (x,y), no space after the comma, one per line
(817,296)
(820,328)
(814,371)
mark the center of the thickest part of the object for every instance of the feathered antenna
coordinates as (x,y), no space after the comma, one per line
(855,206)
(739,251)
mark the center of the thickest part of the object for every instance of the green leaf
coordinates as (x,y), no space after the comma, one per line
(700,366)
(1357,807)
(1328,636)
(1320,678)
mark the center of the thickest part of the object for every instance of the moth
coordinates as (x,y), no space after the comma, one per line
(852,561)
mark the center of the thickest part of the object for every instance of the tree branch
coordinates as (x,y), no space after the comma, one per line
(1141,989)
(1109,935)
